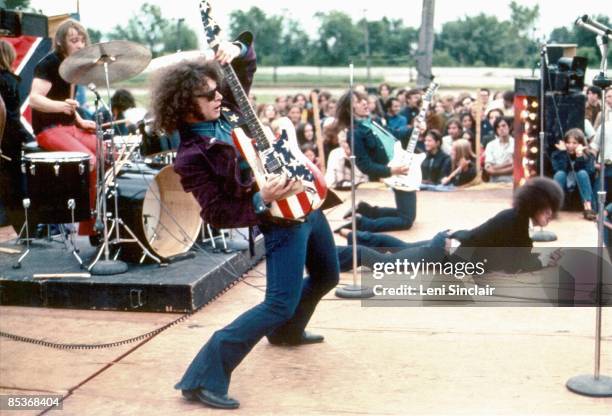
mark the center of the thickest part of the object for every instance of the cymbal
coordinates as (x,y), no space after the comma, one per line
(125,59)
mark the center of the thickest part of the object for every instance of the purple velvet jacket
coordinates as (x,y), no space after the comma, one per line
(209,168)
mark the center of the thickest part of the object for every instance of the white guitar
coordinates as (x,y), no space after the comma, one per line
(410,181)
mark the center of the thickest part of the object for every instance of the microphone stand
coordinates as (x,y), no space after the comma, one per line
(354,291)
(597,385)
(543,235)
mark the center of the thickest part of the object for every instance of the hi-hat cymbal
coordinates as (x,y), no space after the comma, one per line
(125,59)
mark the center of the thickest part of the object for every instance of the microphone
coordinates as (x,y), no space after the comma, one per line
(594,26)
(92,87)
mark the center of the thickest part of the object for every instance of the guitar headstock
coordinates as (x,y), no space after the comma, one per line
(212,30)
(431,90)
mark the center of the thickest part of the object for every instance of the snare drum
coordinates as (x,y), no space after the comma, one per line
(52,179)
(154,205)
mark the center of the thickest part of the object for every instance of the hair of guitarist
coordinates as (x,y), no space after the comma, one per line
(174,90)
(343,108)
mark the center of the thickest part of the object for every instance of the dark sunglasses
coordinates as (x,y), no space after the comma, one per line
(209,95)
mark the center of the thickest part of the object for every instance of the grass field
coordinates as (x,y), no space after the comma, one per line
(270,83)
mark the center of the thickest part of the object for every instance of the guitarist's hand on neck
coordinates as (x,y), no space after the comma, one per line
(226,52)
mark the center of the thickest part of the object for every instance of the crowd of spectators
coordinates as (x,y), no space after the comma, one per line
(455,123)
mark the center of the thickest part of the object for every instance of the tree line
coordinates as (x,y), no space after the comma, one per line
(481,40)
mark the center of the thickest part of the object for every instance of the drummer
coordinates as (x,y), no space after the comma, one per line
(56,123)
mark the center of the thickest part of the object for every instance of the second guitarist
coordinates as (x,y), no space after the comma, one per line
(373,151)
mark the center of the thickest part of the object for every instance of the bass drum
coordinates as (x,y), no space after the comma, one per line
(153,204)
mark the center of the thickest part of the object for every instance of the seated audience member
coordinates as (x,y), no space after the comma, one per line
(466,102)
(329,110)
(486,128)
(593,103)
(434,120)
(492,115)
(338,172)
(330,135)
(454,130)
(384,93)
(589,131)
(401,96)
(396,123)
(305,134)
(281,105)
(413,102)
(267,113)
(309,151)
(508,98)
(467,121)
(295,114)
(484,95)
(323,98)
(574,167)
(300,100)
(499,153)
(448,104)
(463,164)
(437,163)
(503,239)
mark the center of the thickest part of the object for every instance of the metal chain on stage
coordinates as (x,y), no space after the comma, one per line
(146,336)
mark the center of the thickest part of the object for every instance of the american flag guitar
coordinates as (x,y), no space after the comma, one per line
(268,155)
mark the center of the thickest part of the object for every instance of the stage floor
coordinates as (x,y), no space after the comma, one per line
(183,285)
(375,360)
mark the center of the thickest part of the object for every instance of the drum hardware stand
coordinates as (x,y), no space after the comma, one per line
(72,239)
(107,266)
(26,226)
(216,249)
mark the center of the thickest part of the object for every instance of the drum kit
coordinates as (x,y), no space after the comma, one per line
(147,192)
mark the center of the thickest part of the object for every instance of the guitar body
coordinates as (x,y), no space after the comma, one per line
(412,180)
(406,157)
(268,156)
(295,165)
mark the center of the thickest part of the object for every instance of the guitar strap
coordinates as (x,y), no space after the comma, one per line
(234,118)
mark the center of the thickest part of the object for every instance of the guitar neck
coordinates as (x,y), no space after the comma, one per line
(252,122)
(414,136)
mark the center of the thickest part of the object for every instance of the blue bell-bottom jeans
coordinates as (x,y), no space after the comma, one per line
(379,219)
(583,182)
(289,302)
(379,248)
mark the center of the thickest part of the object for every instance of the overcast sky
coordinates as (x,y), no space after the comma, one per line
(105,14)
